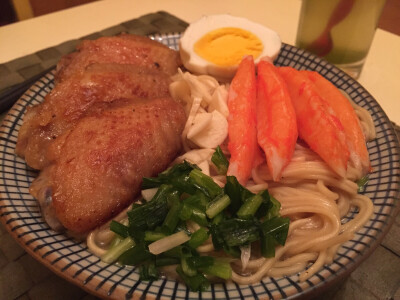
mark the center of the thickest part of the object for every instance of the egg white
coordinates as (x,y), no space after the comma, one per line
(193,62)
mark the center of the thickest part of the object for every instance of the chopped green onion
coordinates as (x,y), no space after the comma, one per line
(234,232)
(198,238)
(233,190)
(274,232)
(188,269)
(200,261)
(175,252)
(150,214)
(273,208)
(232,216)
(152,236)
(268,244)
(189,212)
(172,218)
(195,283)
(236,192)
(186,212)
(135,255)
(182,226)
(265,205)
(204,183)
(177,176)
(218,218)
(199,217)
(217,206)
(233,251)
(220,161)
(249,208)
(166,261)
(148,272)
(198,200)
(148,194)
(219,268)
(115,241)
(168,242)
(119,229)
(362,182)
(115,252)
(277,227)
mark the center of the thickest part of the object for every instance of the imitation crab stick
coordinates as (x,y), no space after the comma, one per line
(276,119)
(347,116)
(242,132)
(317,124)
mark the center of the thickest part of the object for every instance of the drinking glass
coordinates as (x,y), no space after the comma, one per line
(340,31)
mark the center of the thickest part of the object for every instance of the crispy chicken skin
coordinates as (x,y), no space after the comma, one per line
(108,122)
(70,99)
(97,166)
(122,49)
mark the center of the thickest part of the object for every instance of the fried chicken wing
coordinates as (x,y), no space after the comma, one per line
(108,122)
(122,49)
(71,98)
(98,164)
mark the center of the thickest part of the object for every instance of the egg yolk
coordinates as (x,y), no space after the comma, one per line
(227,46)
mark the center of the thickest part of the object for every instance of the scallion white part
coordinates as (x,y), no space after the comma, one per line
(148,194)
(168,242)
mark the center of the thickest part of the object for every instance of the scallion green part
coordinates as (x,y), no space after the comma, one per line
(148,272)
(220,161)
(268,245)
(234,232)
(237,193)
(187,268)
(273,208)
(115,252)
(196,283)
(249,208)
(190,212)
(219,268)
(201,261)
(136,255)
(172,218)
(152,213)
(204,183)
(278,228)
(176,176)
(119,229)
(166,261)
(152,236)
(362,182)
(198,238)
(217,206)
(274,232)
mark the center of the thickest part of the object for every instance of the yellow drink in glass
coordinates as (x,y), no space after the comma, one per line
(341,31)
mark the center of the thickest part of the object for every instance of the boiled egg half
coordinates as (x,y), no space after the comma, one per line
(216,44)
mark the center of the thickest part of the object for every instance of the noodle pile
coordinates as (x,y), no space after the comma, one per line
(311,194)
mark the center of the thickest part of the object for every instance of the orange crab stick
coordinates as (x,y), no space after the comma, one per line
(347,116)
(242,133)
(316,122)
(276,119)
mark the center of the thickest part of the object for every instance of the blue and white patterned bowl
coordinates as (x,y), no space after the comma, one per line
(71,259)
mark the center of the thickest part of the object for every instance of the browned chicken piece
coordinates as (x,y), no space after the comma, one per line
(71,98)
(99,164)
(122,49)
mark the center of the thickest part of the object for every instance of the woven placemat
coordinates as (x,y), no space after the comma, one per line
(17,75)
